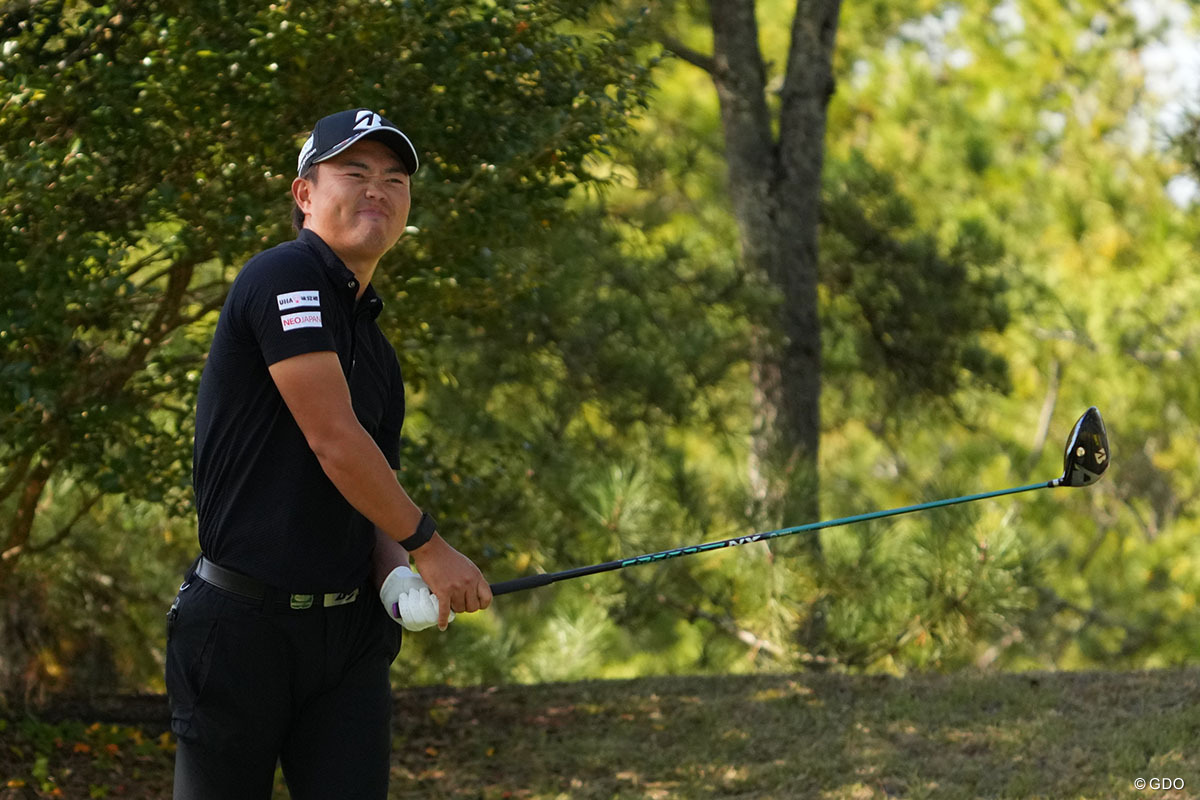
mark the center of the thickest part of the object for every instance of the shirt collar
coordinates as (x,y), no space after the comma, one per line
(342,276)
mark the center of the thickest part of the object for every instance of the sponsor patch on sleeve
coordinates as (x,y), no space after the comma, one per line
(298,300)
(301,319)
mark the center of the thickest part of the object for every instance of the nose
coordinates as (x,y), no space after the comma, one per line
(375,190)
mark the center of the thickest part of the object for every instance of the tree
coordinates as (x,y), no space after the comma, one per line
(580,338)
(147,150)
(977,158)
(1036,123)
(774,121)
(850,273)
(774,182)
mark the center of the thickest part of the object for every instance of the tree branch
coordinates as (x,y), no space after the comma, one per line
(65,532)
(1048,404)
(726,625)
(22,520)
(693,57)
(18,469)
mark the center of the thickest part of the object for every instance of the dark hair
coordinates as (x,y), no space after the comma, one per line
(310,175)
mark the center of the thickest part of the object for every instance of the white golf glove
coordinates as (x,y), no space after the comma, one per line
(408,600)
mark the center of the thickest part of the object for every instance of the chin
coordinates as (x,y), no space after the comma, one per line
(375,246)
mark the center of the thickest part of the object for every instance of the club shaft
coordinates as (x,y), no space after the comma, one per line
(533,581)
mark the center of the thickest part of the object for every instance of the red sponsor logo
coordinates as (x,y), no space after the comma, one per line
(301,319)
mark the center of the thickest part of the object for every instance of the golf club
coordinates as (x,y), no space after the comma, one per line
(1084,461)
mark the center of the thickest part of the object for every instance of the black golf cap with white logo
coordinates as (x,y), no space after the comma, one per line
(334,133)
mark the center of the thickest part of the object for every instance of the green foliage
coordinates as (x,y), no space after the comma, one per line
(994,218)
(1033,132)
(190,183)
(147,154)
(1188,142)
(998,253)
(902,316)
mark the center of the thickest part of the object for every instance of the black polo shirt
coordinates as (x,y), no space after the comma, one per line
(265,506)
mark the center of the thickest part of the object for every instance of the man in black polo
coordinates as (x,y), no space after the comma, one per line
(276,648)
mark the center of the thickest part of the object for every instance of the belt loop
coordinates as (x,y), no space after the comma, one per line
(190,574)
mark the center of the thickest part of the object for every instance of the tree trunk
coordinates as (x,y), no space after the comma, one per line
(775,190)
(17,531)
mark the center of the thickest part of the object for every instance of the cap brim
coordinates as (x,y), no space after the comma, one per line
(392,137)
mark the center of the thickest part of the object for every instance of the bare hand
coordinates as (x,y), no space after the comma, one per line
(453,578)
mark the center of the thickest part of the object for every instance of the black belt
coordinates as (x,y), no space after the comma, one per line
(253,589)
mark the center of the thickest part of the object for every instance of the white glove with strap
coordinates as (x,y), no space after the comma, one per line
(408,600)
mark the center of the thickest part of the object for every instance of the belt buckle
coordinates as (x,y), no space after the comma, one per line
(299,602)
(340,598)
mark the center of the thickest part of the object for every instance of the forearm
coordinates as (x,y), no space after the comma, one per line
(357,467)
(316,393)
(360,472)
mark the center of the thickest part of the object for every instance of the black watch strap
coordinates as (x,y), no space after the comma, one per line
(426,528)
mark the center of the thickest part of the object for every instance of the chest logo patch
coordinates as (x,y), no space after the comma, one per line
(301,319)
(298,300)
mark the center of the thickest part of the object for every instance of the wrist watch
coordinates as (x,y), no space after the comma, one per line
(426,528)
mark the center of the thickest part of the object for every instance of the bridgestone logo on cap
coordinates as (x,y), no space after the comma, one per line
(366,120)
(301,319)
(298,300)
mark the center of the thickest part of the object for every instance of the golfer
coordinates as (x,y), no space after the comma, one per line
(277,649)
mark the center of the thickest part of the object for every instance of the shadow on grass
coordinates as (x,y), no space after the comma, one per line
(1063,735)
(825,737)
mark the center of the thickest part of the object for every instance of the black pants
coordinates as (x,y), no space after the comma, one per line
(253,684)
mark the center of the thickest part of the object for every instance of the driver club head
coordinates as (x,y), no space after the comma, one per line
(1086,456)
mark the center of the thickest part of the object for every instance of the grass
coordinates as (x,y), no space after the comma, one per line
(826,737)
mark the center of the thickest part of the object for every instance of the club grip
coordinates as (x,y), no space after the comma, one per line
(520,584)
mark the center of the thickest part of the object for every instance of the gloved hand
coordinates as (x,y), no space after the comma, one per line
(408,600)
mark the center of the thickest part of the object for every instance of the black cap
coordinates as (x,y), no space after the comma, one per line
(333,134)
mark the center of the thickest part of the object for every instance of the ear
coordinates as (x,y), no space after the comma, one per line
(302,194)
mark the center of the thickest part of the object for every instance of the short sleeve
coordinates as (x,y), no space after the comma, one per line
(284,303)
